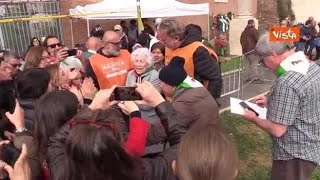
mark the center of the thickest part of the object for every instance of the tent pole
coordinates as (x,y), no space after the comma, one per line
(88,27)
(71,28)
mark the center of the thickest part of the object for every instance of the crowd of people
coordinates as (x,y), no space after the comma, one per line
(58,105)
(309,36)
(61,118)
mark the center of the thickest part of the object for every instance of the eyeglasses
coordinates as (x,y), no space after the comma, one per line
(108,125)
(15,65)
(54,45)
(115,43)
(262,62)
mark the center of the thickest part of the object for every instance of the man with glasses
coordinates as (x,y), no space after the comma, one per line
(111,64)
(293,110)
(200,62)
(54,48)
(13,62)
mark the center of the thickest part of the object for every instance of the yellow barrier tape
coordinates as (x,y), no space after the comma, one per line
(33,18)
(57,16)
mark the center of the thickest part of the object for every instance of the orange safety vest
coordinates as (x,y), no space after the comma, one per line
(187,53)
(113,70)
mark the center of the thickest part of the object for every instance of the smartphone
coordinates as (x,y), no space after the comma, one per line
(126,94)
(246,106)
(72,52)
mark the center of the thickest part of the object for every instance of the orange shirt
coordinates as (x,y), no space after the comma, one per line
(113,70)
(187,53)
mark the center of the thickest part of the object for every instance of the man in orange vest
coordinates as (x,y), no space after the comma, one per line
(111,64)
(200,62)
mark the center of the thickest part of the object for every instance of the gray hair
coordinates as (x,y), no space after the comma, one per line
(173,27)
(265,47)
(144,51)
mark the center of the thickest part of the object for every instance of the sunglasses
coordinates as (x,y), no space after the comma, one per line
(54,45)
(16,65)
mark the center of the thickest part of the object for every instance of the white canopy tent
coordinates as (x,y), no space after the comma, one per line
(127,9)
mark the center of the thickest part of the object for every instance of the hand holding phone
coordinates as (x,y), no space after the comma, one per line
(126,94)
(246,106)
(72,52)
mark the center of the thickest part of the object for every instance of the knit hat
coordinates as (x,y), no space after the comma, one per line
(173,74)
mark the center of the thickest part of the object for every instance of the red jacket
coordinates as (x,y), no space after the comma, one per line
(137,137)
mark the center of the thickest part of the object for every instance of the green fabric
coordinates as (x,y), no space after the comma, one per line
(188,83)
(147,71)
(184,85)
(280,71)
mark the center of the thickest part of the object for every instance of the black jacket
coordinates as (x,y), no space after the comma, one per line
(205,65)
(157,168)
(28,108)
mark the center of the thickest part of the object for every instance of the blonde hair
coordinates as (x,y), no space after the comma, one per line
(53,70)
(206,152)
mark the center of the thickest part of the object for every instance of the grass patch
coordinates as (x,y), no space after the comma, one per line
(253,146)
(231,65)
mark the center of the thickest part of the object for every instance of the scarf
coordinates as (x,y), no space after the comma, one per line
(187,83)
(297,62)
(141,76)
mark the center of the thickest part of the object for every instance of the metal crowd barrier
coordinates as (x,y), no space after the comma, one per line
(231,75)
(16,35)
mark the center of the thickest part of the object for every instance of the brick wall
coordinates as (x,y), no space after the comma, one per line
(79,25)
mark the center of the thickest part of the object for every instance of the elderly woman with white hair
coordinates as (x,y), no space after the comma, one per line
(143,69)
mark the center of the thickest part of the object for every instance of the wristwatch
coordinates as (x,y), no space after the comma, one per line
(20,130)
